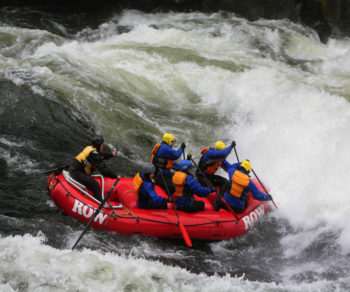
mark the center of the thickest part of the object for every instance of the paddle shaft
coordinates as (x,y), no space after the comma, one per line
(60,168)
(96,213)
(264,188)
(182,227)
(110,203)
(258,180)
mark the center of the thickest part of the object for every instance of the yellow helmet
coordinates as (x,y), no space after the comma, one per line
(168,138)
(246,165)
(219,145)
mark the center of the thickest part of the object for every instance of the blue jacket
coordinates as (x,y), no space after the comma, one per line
(252,188)
(147,188)
(216,154)
(166,151)
(195,187)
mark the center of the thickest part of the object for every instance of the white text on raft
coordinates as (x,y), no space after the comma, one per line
(88,212)
(253,216)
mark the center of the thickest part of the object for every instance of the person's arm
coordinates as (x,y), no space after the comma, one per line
(256,193)
(213,154)
(149,189)
(168,152)
(108,155)
(196,187)
(225,165)
(175,165)
(96,159)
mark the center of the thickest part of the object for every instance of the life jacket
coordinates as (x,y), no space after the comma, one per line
(179,180)
(137,182)
(82,158)
(211,165)
(238,183)
(160,162)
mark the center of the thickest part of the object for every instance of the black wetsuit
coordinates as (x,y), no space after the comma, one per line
(78,173)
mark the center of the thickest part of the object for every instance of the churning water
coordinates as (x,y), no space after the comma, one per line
(271,86)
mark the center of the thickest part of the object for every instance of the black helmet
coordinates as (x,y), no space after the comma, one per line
(97,141)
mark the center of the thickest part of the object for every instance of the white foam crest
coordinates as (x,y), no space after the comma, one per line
(195,32)
(26,262)
(296,136)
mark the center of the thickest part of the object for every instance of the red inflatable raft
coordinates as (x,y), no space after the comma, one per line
(121,214)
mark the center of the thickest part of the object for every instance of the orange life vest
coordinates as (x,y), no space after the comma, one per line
(211,166)
(238,183)
(179,180)
(162,162)
(137,182)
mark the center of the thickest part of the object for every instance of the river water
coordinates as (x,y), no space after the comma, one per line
(271,86)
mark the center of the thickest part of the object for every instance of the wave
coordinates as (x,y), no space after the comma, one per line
(271,86)
(28,264)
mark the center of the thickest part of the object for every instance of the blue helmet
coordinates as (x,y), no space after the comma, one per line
(185,165)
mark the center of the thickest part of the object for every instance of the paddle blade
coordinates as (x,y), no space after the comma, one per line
(185,234)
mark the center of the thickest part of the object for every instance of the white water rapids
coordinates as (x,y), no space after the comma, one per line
(271,86)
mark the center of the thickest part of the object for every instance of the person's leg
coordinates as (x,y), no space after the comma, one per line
(163,206)
(218,204)
(89,182)
(219,181)
(201,179)
(195,207)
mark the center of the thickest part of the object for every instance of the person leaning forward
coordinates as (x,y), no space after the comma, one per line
(240,184)
(90,159)
(144,186)
(185,186)
(164,159)
(212,159)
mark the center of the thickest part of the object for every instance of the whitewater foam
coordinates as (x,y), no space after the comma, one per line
(28,264)
(270,85)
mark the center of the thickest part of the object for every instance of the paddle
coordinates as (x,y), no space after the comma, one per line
(264,189)
(56,170)
(97,211)
(209,183)
(182,227)
(234,147)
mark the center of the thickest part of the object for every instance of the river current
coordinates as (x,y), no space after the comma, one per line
(270,85)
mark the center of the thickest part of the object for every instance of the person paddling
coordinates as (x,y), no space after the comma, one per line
(89,160)
(212,159)
(144,186)
(164,159)
(240,184)
(185,186)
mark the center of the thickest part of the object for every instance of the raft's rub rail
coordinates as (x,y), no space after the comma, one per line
(81,208)
(83,190)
